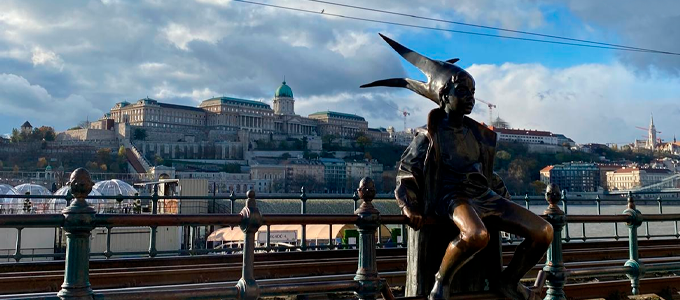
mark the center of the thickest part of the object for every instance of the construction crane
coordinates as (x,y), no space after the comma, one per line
(403,112)
(645,129)
(491,107)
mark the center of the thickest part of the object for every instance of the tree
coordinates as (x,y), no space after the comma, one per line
(16,136)
(2,165)
(305,143)
(15,169)
(158,160)
(46,133)
(285,155)
(139,134)
(103,156)
(538,187)
(84,124)
(91,166)
(363,141)
(42,162)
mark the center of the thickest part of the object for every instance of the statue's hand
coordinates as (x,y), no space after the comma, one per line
(415,219)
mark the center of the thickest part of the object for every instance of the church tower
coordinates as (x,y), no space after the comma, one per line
(284,104)
(651,136)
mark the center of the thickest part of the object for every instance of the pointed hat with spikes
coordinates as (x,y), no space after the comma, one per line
(439,73)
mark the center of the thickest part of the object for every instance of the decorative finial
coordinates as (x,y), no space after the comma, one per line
(81,183)
(366,189)
(553,196)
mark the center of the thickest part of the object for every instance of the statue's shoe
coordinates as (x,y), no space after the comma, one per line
(519,292)
(439,291)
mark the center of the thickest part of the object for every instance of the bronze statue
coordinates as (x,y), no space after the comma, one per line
(447,170)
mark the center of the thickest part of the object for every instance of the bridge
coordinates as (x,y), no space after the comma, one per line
(364,270)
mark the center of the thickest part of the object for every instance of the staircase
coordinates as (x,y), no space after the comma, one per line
(135,158)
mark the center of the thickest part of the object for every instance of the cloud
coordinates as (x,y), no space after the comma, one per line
(589,103)
(92,54)
(18,97)
(46,57)
(637,24)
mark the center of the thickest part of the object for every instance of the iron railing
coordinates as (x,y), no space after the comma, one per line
(79,219)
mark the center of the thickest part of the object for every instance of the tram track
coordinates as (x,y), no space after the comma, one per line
(139,272)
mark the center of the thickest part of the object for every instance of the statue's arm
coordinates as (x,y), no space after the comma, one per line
(410,175)
(498,186)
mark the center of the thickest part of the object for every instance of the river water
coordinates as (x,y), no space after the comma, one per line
(594,230)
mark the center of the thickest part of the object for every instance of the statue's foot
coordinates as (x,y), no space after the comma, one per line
(517,291)
(440,291)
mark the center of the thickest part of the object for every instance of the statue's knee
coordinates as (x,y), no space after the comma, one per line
(477,240)
(544,236)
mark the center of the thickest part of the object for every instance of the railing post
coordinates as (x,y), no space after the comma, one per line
(17,251)
(368,222)
(78,224)
(303,210)
(232,199)
(250,223)
(566,225)
(152,234)
(526,201)
(554,265)
(636,268)
(598,205)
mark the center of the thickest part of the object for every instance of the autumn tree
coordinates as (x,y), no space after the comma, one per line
(42,162)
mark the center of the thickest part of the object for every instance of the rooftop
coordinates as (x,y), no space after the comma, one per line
(335,114)
(237,101)
(521,131)
(284,91)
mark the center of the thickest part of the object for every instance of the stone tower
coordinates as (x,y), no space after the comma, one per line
(284,104)
(651,136)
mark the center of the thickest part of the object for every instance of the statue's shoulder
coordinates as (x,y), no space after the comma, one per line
(487,135)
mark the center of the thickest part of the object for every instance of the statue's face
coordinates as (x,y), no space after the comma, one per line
(461,97)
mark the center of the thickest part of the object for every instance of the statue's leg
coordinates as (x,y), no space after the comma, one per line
(472,238)
(537,234)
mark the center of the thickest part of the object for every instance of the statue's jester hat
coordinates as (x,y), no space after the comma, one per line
(440,74)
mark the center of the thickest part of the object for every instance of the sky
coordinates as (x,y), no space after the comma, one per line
(63,62)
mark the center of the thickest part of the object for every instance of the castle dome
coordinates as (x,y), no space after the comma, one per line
(284,91)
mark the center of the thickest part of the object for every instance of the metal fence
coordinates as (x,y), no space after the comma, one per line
(79,219)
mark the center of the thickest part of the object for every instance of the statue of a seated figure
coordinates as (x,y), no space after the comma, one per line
(447,171)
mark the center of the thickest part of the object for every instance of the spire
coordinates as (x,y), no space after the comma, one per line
(651,123)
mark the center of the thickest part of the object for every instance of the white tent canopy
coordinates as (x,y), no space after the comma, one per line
(115,187)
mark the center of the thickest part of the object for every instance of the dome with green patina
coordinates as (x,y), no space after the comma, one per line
(284,91)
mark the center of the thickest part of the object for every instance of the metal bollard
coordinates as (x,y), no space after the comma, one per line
(368,222)
(250,223)
(554,265)
(78,224)
(636,268)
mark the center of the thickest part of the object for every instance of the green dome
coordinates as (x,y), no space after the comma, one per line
(284,91)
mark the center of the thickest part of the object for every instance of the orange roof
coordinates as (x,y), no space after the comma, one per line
(547,169)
